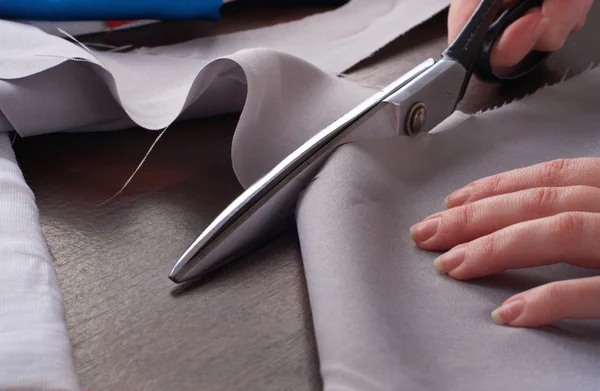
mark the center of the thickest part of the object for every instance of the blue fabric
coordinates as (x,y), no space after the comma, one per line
(64,10)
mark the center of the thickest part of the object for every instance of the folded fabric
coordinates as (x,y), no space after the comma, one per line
(384,318)
(154,87)
(35,351)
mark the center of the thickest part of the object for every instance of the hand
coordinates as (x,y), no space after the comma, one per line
(544,28)
(534,216)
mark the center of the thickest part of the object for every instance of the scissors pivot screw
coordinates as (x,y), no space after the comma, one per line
(415,122)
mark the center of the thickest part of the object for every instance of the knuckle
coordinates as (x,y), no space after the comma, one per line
(468,215)
(541,198)
(553,171)
(491,185)
(488,247)
(569,225)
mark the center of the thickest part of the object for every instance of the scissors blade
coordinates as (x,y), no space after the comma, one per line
(264,208)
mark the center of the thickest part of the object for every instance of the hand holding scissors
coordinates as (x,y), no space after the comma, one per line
(542,28)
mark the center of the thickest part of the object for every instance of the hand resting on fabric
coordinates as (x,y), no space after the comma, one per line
(533,216)
(544,28)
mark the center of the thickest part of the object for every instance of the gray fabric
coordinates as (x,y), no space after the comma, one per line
(384,318)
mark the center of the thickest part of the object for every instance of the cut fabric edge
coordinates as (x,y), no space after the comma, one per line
(564,79)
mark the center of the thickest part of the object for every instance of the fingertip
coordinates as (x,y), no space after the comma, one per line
(509,313)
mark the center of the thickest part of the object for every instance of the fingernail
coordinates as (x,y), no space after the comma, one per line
(425,230)
(451,260)
(508,312)
(457,198)
(539,30)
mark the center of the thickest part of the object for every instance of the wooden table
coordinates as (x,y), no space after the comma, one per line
(248,327)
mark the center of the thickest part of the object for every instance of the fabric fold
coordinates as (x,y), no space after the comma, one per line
(384,318)
(153,86)
(35,351)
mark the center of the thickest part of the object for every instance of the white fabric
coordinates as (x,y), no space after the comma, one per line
(35,353)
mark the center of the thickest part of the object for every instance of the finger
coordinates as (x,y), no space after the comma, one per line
(547,304)
(570,237)
(452,227)
(565,16)
(459,13)
(518,39)
(556,173)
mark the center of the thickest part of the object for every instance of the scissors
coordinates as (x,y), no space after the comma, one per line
(415,103)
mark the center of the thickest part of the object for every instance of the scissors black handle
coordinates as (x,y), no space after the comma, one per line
(483,68)
(473,45)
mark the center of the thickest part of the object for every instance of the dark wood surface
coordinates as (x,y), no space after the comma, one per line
(248,327)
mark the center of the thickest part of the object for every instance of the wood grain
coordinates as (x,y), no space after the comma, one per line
(248,327)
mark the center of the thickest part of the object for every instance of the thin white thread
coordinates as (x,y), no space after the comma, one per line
(137,169)
(75,59)
(109,48)
(99,45)
(155,141)
(80,44)
(121,48)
